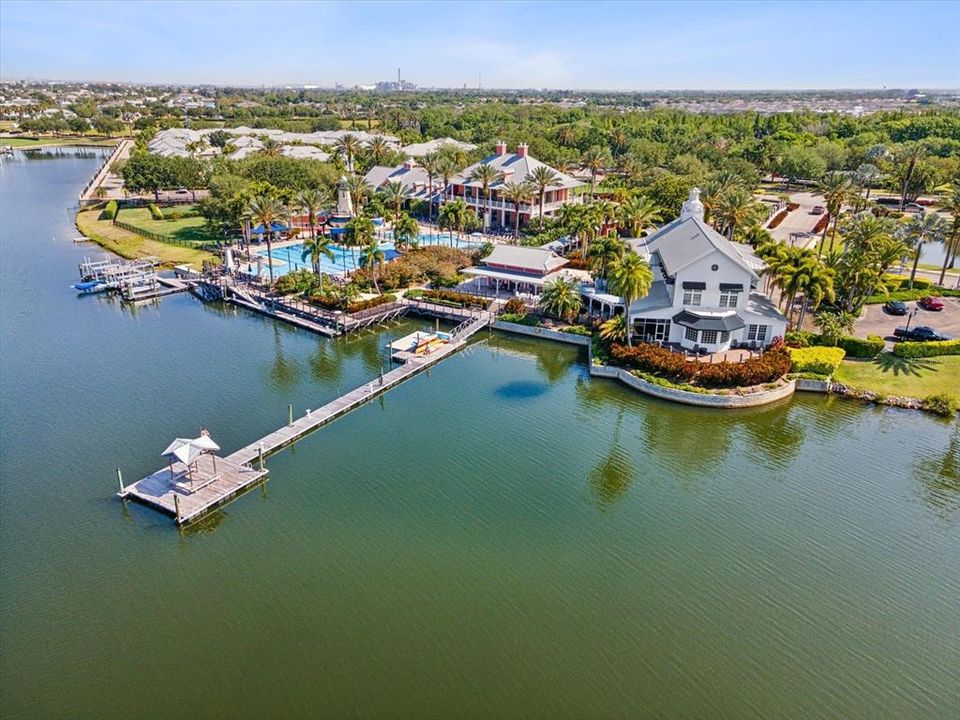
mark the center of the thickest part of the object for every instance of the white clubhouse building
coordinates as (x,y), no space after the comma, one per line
(704,295)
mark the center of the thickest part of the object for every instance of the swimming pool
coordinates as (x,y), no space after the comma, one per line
(346,259)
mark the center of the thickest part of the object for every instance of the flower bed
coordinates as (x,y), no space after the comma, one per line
(674,367)
(777,219)
(332,302)
(449,297)
(821,224)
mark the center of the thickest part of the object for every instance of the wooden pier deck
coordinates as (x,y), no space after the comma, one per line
(234,471)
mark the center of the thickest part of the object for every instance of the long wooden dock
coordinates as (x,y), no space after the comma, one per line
(234,471)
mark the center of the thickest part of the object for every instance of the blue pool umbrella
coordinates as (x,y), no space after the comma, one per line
(274,227)
(378,221)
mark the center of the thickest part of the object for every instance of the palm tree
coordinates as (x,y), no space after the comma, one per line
(359,233)
(372,257)
(952,242)
(518,194)
(406,230)
(736,208)
(454,216)
(271,148)
(638,213)
(378,149)
(630,278)
(359,189)
(836,189)
(907,157)
(447,169)
(485,175)
(543,178)
(310,201)
(756,235)
(561,297)
(318,246)
(394,193)
(614,329)
(921,229)
(267,209)
(603,253)
(715,189)
(814,280)
(431,166)
(348,146)
(867,174)
(594,160)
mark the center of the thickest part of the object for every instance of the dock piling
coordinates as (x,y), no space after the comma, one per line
(120,481)
(260,454)
(176,505)
(289,415)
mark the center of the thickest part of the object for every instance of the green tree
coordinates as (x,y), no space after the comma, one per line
(315,248)
(801,163)
(347,147)
(518,194)
(406,231)
(485,175)
(431,163)
(394,193)
(454,216)
(918,231)
(561,297)
(543,178)
(360,233)
(951,204)
(267,209)
(372,257)
(836,190)
(310,201)
(379,150)
(595,159)
(906,159)
(630,278)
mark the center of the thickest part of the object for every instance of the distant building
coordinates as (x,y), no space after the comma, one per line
(418,150)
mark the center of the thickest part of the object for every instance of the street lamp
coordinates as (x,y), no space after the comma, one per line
(910,317)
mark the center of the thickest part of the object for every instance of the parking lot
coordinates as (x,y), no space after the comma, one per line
(875,321)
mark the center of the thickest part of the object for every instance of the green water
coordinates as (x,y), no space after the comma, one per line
(501,537)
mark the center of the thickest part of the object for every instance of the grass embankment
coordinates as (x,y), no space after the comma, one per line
(185,230)
(129,245)
(38,142)
(904,377)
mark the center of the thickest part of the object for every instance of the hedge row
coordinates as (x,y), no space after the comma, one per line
(452,296)
(155,212)
(110,211)
(332,302)
(926,349)
(819,360)
(915,294)
(860,348)
(770,366)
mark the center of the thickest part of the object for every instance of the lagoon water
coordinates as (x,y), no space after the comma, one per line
(500,537)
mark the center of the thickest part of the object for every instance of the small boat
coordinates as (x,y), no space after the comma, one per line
(90,286)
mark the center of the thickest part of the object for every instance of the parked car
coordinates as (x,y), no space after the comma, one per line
(895,307)
(182,191)
(818,210)
(931,303)
(920,333)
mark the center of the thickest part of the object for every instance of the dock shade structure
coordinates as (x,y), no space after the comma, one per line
(188,451)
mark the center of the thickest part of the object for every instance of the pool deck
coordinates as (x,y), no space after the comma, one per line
(234,473)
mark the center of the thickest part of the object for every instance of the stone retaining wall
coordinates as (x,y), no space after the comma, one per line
(541,332)
(808,385)
(693,398)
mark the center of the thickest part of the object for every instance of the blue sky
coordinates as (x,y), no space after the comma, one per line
(623,46)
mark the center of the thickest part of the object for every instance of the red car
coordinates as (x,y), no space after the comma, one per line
(931,303)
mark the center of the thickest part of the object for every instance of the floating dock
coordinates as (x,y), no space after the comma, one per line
(165,490)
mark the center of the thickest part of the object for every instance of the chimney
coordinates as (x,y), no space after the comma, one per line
(692,208)
(522,149)
(501,148)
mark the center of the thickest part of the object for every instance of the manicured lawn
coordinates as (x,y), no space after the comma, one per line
(129,245)
(24,142)
(913,377)
(190,229)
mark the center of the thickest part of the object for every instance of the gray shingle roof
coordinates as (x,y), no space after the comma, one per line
(534,260)
(684,241)
(517,169)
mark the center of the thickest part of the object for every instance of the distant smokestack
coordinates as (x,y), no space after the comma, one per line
(399,81)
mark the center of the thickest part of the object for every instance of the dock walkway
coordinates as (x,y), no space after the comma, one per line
(164,489)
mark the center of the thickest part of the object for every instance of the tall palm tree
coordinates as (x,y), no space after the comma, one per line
(373,257)
(543,178)
(310,201)
(907,157)
(315,248)
(360,232)
(485,175)
(267,209)
(454,216)
(836,189)
(270,147)
(518,194)
(919,230)
(379,149)
(359,189)
(406,230)
(815,281)
(638,213)
(447,169)
(348,146)
(867,174)
(594,160)
(736,208)
(431,166)
(603,253)
(630,278)
(561,297)
(950,246)
(715,189)
(394,193)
